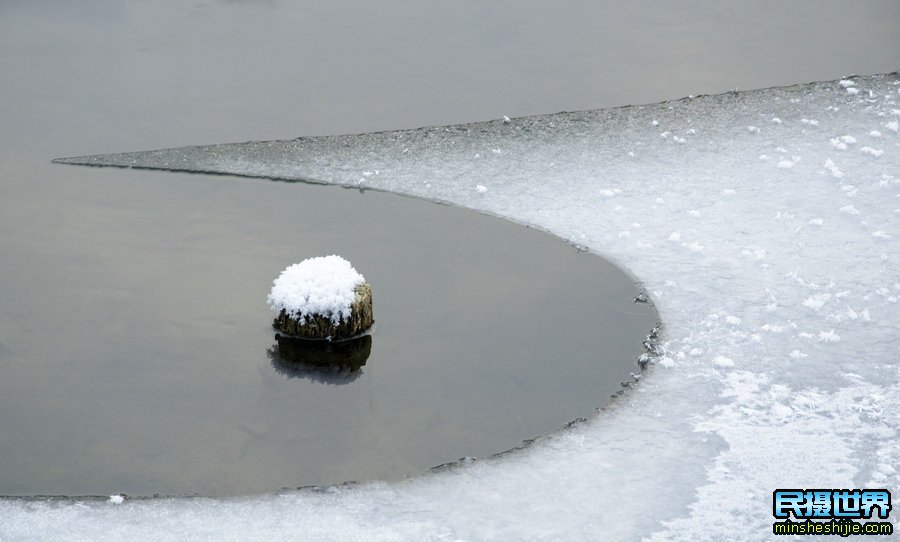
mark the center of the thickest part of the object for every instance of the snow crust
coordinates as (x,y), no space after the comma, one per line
(778,285)
(320,286)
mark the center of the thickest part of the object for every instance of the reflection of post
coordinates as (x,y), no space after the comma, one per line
(335,376)
(347,355)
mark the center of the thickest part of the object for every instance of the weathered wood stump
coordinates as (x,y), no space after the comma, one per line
(317,326)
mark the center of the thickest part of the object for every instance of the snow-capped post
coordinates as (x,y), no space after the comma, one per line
(322,298)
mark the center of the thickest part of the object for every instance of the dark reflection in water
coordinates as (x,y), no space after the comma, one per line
(329,362)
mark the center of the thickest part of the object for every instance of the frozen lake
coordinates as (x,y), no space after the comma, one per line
(765,225)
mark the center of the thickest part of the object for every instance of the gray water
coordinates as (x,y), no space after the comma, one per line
(137,339)
(134,340)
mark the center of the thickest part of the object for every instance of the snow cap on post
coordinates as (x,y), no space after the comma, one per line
(321,298)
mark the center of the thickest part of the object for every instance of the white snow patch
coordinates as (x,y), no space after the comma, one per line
(758,253)
(722,361)
(877,153)
(817,301)
(838,144)
(833,169)
(480,188)
(696,247)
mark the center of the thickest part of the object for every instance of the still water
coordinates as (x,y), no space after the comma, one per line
(139,354)
(135,347)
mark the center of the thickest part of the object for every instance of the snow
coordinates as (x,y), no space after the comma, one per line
(698,445)
(722,361)
(786,164)
(838,144)
(321,286)
(872,152)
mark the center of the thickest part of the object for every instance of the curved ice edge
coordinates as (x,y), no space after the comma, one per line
(652,351)
(112,160)
(642,363)
(139,159)
(121,159)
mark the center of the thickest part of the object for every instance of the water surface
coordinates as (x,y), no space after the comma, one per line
(138,346)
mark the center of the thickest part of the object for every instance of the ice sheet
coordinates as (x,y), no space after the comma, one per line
(770,251)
